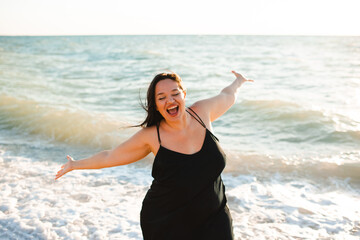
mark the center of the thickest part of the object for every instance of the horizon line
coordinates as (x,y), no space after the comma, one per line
(176,34)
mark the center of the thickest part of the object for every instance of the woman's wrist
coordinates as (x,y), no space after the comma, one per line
(239,82)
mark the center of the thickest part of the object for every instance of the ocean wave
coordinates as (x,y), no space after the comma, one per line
(71,126)
(340,136)
(292,122)
(281,111)
(344,165)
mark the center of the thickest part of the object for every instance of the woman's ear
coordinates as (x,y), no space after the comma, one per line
(184,93)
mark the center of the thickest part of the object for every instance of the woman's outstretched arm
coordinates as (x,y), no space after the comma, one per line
(216,106)
(130,151)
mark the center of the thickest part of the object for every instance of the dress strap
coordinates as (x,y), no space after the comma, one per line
(158,133)
(201,122)
(197,118)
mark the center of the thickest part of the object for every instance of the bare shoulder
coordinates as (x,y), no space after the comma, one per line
(200,109)
(149,136)
(146,134)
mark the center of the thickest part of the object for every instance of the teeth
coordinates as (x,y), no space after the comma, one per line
(172,107)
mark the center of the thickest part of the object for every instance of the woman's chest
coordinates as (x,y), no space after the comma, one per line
(205,165)
(187,143)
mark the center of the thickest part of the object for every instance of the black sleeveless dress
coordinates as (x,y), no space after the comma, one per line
(187,197)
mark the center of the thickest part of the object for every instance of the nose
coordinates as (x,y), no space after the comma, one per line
(171,99)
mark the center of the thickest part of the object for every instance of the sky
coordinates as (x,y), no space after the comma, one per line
(132,17)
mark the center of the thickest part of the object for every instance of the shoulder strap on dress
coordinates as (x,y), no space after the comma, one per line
(158,132)
(198,118)
(201,122)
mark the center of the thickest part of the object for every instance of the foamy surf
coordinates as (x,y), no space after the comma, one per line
(105,204)
(86,205)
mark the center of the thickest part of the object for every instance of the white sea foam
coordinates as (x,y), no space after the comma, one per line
(105,204)
(81,205)
(288,209)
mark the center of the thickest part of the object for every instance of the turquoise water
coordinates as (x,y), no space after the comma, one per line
(297,125)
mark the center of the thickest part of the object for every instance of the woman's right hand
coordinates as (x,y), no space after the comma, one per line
(67,167)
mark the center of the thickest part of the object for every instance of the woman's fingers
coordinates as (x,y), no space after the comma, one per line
(60,173)
(57,176)
(64,168)
(238,75)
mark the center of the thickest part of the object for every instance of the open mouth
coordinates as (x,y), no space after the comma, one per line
(173,110)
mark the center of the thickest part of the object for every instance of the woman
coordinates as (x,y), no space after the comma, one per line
(187,197)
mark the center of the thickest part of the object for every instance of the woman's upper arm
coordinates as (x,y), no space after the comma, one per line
(215,106)
(132,150)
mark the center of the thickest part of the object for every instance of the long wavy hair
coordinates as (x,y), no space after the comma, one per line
(153,116)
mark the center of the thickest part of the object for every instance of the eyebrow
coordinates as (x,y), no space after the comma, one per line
(175,89)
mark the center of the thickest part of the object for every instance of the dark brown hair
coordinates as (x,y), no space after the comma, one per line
(153,116)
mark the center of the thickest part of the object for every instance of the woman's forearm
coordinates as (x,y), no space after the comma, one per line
(233,87)
(128,152)
(96,161)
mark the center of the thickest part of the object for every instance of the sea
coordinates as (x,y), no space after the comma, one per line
(292,138)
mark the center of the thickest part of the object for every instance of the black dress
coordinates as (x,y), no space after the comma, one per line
(187,197)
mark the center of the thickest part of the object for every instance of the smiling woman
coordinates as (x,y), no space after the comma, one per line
(187,197)
(156,96)
(169,102)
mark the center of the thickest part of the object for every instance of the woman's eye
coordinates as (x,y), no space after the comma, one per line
(162,98)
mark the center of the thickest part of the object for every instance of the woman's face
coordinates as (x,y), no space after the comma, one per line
(170,99)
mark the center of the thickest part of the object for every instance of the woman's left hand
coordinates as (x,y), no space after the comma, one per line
(67,167)
(241,78)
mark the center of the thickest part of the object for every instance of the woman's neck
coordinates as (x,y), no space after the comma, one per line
(180,124)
